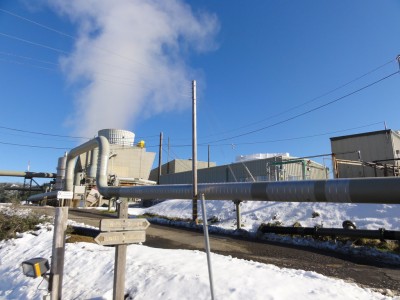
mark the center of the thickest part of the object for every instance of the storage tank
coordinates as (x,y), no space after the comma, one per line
(118,136)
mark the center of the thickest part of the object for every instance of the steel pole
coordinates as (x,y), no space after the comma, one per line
(194,152)
(207,244)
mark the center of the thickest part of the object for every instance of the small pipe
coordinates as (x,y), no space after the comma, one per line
(317,231)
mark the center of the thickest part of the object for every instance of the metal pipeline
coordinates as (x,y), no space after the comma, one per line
(43,196)
(27,174)
(317,231)
(360,190)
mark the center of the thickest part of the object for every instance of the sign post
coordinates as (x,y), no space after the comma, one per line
(120,233)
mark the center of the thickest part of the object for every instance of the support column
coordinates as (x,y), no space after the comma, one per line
(238,214)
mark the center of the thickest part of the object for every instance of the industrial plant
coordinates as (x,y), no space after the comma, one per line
(370,154)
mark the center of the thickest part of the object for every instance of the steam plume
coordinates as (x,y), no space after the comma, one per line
(129,58)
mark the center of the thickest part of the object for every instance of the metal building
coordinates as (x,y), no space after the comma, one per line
(369,154)
(178,166)
(275,168)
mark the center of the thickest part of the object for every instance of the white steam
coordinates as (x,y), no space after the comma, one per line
(129,58)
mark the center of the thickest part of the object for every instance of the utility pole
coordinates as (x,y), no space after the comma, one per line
(168,157)
(194,153)
(160,158)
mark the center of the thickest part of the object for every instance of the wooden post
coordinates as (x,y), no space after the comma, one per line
(57,258)
(120,259)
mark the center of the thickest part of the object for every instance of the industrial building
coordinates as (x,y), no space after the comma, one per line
(246,169)
(129,164)
(178,166)
(369,154)
(127,161)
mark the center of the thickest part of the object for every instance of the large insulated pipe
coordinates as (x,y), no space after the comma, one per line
(62,161)
(27,174)
(359,190)
(93,163)
(40,197)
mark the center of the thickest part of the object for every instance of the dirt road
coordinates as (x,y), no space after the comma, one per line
(366,272)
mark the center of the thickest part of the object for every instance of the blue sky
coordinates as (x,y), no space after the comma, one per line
(272,76)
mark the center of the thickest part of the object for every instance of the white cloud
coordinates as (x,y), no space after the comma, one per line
(129,58)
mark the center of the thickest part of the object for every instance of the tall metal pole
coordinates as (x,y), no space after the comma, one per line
(168,157)
(207,244)
(160,157)
(194,153)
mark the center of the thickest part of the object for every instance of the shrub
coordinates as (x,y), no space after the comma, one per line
(11,224)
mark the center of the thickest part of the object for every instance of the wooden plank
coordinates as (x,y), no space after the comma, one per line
(123,224)
(120,238)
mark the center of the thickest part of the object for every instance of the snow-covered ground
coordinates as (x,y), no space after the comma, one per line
(182,274)
(366,216)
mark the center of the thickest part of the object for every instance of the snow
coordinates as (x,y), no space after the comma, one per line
(331,215)
(182,274)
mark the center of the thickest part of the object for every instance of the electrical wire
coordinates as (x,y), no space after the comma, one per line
(297,138)
(280,140)
(309,101)
(33,43)
(35,146)
(156,70)
(306,112)
(129,82)
(44,133)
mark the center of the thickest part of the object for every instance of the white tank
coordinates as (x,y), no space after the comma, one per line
(118,136)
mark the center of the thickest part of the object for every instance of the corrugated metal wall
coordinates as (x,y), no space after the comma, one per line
(132,162)
(259,170)
(373,146)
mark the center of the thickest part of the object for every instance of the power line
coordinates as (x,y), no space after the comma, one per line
(311,100)
(69,36)
(298,138)
(35,146)
(284,139)
(129,82)
(44,133)
(306,112)
(33,43)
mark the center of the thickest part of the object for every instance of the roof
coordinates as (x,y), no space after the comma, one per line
(387,131)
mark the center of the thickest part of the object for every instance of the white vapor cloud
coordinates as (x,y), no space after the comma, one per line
(129,58)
